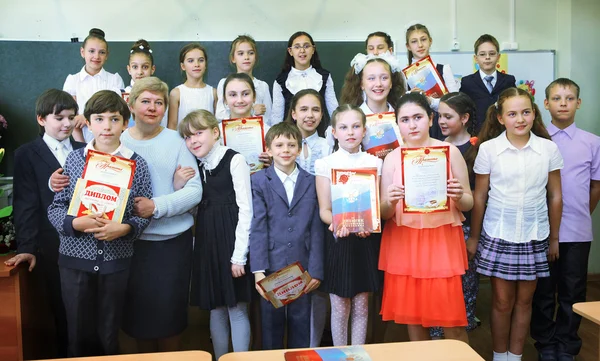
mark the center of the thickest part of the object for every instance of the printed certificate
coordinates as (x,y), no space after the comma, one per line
(247,137)
(108,169)
(355,199)
(286,285)
(91,197)
(383,134)
(425,173)
(423,75)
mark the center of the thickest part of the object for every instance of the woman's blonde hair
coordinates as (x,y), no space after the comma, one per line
(151,84)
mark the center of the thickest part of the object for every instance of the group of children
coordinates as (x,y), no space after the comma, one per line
(507,214)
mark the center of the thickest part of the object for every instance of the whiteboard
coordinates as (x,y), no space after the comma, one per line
(532,69)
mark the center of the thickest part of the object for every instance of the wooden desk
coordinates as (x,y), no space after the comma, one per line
(11,336)
(591,311)
(158,356)
(446,350)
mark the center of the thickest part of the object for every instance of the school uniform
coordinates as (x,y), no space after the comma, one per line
(476,87)
(287,84)
(36,162)
(94,273)
(83,85)
(568,274)
(286,228)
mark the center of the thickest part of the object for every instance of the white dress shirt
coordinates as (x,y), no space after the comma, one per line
(494,76)
(240,176)
(516,209)
(262,97)
(83,85)
(289,182)
(60,149)
(341,159)
(121,151)
(298,80)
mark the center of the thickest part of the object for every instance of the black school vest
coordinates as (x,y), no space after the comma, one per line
(287,95)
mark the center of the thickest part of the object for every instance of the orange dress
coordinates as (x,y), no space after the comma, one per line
(423,257)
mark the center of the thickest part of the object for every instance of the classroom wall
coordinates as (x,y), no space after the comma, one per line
(567,26)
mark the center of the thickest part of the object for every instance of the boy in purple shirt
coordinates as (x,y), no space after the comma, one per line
(557,339)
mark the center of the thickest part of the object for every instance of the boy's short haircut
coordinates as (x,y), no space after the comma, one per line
(54,101)
(285,129)
(106,101)
(563,82)
(151,84)
(200,119)
(486,38)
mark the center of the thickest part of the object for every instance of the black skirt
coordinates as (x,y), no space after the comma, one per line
(351,265)
(158,291)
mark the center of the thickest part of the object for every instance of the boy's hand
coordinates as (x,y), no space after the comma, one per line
(455,189)
(472,247)
(143,207)
(83,223)
(312,285)
(59,181)
(182,176)
(22,257)
(109,230)
(259,109)
(257,277)
(237,270)
(80,121)
(553,250)
(264,158)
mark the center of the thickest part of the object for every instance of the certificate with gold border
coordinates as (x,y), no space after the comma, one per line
(91,197)
(355,199)
(425,173)
(109,169)
(247,137)
(383,134)
(285,285)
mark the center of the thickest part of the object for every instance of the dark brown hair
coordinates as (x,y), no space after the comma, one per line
(189,47)
(486,38)
(141,47)
(562,82)
(284,129)
(54,101)
(106,101)
(462,104)
(353,94)
(417,99)
(299,95)
(381,34)
(95,33)
(288,62)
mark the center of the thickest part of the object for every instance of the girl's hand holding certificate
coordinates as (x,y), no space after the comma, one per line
(455,189)
(395,193)
(342,232)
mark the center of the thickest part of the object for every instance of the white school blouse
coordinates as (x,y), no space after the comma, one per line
(298,80)
(83,85)
(191,99)
(317,148)
(262,97)
(240,176)
(516,207)
(341,159)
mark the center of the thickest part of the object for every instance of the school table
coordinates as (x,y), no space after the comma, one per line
(436,350)
(158,356)
(591,311)
(11,334)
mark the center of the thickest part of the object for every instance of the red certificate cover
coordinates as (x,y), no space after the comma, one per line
(285,285)
(383,134)
(355,199)
(92,197)
(423,75)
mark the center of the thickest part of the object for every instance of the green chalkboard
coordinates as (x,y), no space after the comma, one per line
(28,68)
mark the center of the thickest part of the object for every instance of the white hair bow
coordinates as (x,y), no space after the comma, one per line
(360,60)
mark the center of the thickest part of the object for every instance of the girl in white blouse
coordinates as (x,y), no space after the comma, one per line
(194,94)
(91,79)
(516,213)
(243,55)
(301,70)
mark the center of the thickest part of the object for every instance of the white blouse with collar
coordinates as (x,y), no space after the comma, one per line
(262,97)
(341,159)
(240,176)
(298,80)
(317,148)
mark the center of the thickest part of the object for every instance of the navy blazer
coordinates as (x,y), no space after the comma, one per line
(282,234)
(473,86)
(34,164)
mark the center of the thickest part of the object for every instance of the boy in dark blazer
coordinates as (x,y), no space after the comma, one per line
(286,228)
(35,161)
(487,83)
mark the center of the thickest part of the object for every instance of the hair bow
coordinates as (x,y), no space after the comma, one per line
(360,60)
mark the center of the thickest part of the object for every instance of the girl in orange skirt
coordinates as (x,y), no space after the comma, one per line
(423,255)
